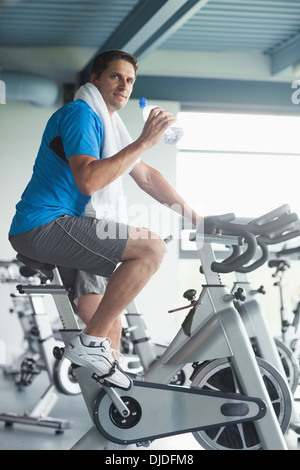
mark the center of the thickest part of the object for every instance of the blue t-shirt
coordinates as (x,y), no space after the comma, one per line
(51,192)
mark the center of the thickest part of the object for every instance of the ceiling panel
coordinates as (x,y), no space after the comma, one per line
(237,25)
(30,29)
(60,23)
(214,25)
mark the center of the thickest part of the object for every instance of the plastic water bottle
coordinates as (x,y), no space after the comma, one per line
(172,134)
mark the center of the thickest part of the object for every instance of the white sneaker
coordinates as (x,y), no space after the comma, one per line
(100,360)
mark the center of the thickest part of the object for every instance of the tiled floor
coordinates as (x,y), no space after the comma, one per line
(27,437)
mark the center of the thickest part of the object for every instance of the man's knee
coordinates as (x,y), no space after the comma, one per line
(146,246)
(155,251)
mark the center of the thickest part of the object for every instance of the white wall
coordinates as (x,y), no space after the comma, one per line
(21,128)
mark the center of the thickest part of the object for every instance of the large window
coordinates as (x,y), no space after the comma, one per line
(246,164)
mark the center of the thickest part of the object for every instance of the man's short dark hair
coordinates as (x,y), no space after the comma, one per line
(102,61)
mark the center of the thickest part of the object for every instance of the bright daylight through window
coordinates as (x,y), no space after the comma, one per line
(246,164)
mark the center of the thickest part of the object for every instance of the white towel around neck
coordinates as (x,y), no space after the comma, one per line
(108,202)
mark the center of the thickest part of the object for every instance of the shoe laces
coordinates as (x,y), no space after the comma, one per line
(113,354)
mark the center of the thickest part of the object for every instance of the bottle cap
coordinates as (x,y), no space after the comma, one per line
(142,103)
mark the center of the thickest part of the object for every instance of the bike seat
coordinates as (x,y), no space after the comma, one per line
(45,268)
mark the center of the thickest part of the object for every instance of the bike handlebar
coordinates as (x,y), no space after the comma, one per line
(272,227)
(259,262)
(273,239)
(288,251)
(273,214)
(279,224)
(232,263)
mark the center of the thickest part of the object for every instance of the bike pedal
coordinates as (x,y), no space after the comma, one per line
(58,353)
(100,380)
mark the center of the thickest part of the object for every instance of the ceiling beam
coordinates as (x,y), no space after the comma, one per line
(221,94)
(285,55)
(146,27)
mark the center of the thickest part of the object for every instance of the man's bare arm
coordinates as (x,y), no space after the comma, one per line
(91,174)
(157,186)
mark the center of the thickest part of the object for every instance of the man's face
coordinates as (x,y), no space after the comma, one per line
(115,84)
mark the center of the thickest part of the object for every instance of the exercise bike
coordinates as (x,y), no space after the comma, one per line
(289,320)
(265,346)
(272,349)
(40,338)
(242,403)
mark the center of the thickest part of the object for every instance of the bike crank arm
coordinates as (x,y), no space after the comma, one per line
(119,404)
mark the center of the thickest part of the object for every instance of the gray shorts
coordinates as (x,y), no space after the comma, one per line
(80,243)
(87,283)
(80,283)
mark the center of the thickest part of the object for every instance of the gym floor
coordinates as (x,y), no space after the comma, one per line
(28,437)
(71,408)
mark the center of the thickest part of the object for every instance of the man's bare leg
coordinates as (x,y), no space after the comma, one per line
(87,305)
(86,308)
(142,257)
